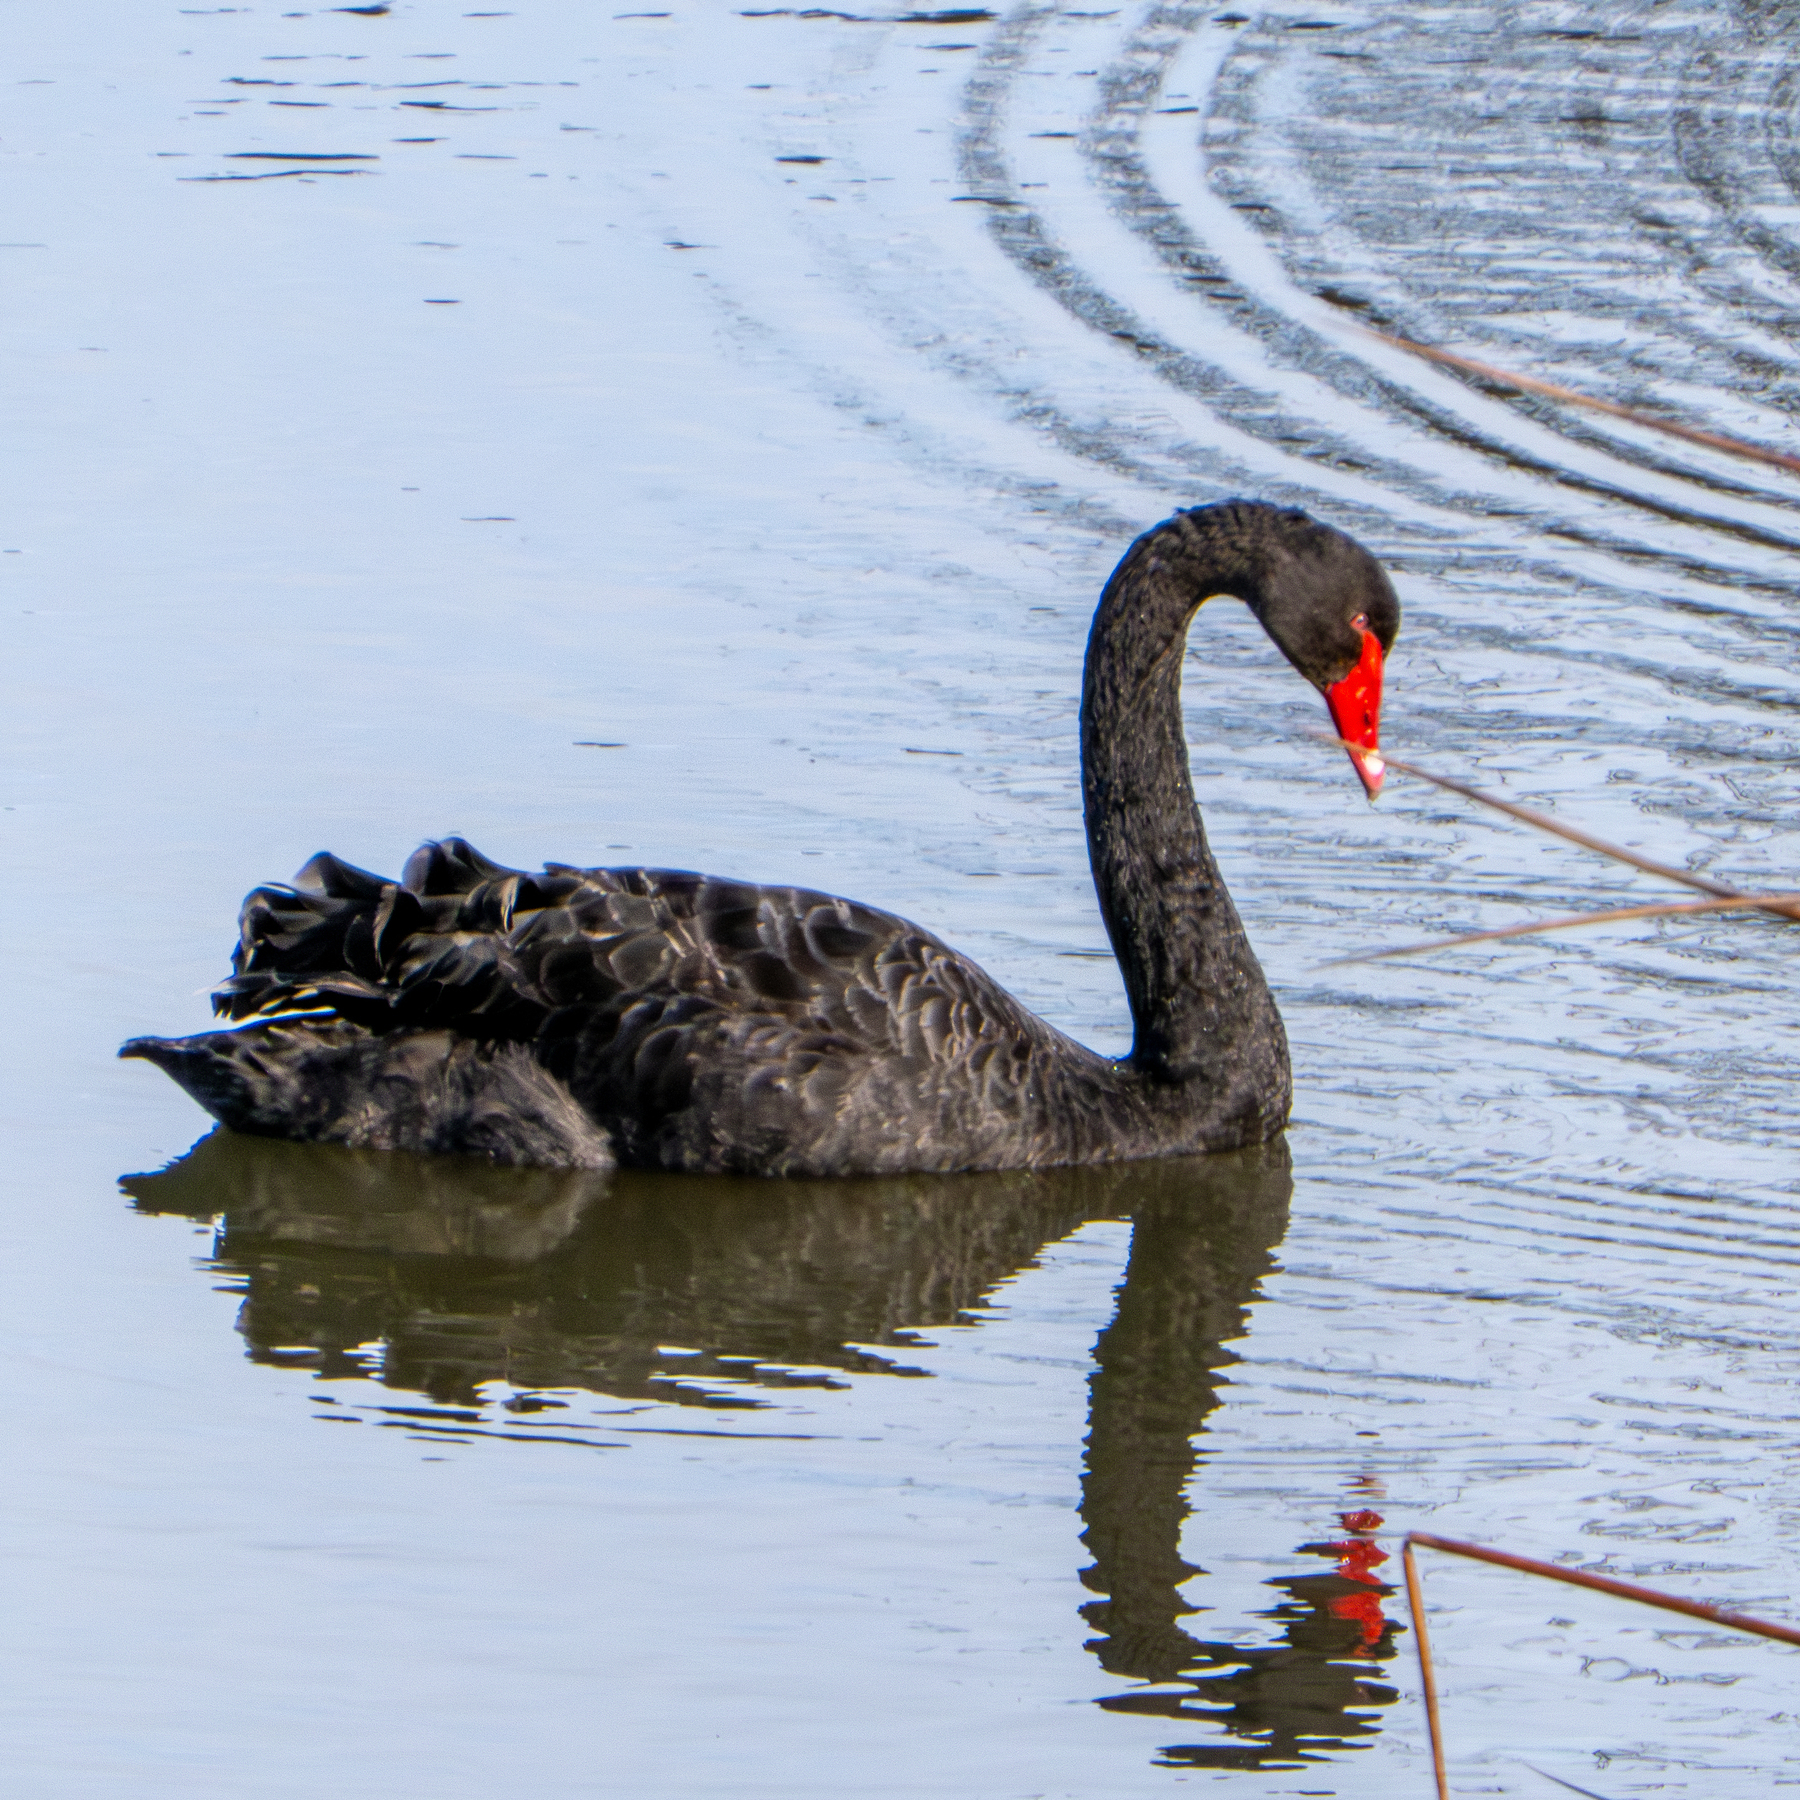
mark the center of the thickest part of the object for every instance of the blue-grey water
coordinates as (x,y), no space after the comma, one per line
(697,437)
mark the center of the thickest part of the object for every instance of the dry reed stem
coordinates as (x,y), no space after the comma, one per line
(1782,906)
(1529,1565)
(1415,1601)
(1529,815)
(1527,384)
(1612,915)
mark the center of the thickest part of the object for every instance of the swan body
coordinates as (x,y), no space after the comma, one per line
(321,1080)
(686,1022)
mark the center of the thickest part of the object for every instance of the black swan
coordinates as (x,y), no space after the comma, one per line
(669,1020)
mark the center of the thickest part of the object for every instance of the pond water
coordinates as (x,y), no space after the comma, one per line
(697,437)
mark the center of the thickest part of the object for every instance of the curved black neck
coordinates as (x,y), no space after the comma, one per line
(1205,1021)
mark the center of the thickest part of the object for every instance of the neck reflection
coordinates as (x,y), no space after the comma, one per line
(438,1276)
(1198,1255)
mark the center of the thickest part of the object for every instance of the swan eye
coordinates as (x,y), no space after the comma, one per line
(1360,622)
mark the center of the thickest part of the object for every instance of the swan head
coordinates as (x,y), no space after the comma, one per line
(1333,613)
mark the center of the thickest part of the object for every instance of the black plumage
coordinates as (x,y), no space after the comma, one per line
(690,1022)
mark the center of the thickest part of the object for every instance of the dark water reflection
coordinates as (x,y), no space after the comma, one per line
(1197,1256)
(439,1277)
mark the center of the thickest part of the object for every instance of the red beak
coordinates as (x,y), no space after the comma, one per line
(1355,704)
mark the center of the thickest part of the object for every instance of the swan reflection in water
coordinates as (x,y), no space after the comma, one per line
(461,1274)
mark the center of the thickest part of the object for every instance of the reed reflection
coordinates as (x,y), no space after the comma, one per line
(437,1276)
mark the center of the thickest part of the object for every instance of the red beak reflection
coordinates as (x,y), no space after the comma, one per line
(1358,1558)
(1355,704)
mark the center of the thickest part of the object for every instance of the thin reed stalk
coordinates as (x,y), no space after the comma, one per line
(1415,1601)
(1530,1565)
(1527,384)
(1725,898)
(1541,821)
(1612,915)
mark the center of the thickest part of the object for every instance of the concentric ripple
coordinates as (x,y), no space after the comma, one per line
(785,382)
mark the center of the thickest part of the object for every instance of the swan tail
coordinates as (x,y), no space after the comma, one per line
(327,1081)
(430,948)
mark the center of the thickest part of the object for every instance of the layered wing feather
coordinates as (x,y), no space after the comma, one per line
(706,1023)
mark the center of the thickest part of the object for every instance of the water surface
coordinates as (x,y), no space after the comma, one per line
(697,437)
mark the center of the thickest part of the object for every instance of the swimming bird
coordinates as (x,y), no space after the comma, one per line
(668,1020)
